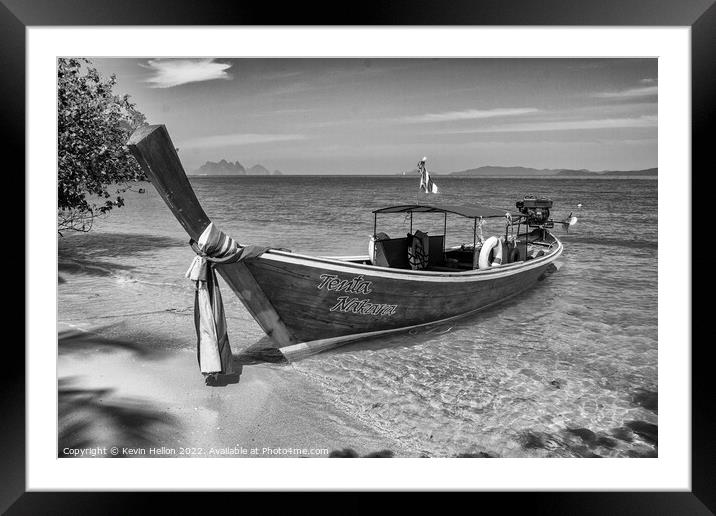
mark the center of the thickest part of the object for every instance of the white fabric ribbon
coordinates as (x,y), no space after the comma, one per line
(213,247)
(214,352)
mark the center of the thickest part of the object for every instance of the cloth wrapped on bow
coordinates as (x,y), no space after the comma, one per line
(213,247)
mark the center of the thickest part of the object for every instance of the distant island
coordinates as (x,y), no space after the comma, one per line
(235,168)
(227,168)
(494,171)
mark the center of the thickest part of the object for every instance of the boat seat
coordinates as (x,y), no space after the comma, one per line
(435,251)
(392,253)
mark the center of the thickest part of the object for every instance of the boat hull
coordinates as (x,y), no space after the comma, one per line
(309,304)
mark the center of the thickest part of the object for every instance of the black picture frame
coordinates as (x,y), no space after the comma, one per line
(699,15)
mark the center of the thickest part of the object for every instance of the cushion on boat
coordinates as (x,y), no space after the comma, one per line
(435,251)
(391,253)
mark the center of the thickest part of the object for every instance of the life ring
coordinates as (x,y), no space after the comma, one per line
(492,245)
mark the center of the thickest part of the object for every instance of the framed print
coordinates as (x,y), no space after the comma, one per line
(433,236)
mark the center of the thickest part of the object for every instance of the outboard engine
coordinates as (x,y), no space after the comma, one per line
(536,210)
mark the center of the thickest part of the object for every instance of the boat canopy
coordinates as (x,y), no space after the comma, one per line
(466,210)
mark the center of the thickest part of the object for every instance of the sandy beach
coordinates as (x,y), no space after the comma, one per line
(156,404)
(128,374)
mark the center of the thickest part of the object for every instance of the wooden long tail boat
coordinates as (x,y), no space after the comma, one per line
(307,303)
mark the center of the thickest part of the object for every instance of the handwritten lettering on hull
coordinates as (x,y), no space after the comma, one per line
(348,304)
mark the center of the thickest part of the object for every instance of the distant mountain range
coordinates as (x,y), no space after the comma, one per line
(227,168)
(493,171)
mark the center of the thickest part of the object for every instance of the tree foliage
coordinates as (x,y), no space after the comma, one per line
(94,165)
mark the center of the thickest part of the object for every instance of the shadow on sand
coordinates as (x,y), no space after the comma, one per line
(95,418)
(86,253)
(260,352)
(113,245)
(72,341)
(76,341)
(224,380)
(350,453)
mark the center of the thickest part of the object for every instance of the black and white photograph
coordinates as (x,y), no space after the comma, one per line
(330,257)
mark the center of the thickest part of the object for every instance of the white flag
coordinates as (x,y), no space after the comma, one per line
(426,184)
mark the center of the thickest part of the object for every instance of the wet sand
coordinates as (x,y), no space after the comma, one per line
(157,405)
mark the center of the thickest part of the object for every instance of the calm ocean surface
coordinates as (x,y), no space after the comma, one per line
(568,369)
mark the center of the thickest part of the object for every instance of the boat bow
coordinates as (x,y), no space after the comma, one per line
(152,147)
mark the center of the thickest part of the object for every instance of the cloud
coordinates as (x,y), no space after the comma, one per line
(630,93)
(230,140)
(567,125)
(468,114)
(168,73)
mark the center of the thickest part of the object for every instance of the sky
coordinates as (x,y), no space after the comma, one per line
(381,116)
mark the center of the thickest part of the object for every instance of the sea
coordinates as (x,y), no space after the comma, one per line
(567,369)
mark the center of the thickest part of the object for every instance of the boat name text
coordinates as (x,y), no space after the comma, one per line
(356,285)
(362,306)
(355,305)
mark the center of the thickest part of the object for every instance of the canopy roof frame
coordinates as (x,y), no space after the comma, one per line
(471,211)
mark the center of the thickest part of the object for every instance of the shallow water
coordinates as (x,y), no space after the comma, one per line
(567,369)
